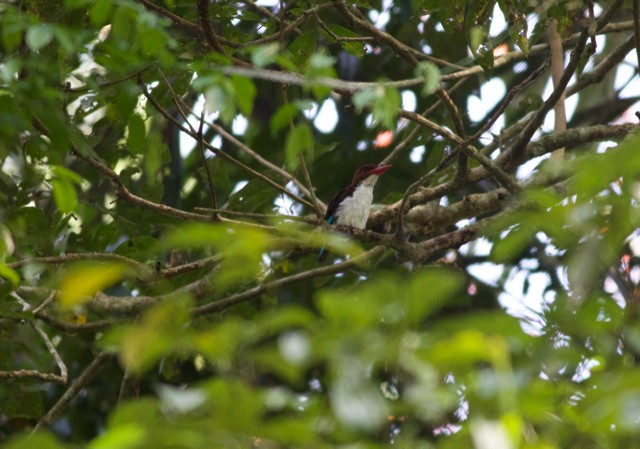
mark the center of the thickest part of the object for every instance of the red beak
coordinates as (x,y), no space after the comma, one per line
(380,169)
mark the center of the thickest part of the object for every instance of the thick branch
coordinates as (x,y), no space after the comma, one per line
(557,68)
(544,145)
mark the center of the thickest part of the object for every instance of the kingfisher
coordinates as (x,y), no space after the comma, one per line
(351,205)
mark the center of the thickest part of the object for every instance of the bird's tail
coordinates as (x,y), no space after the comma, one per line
(322,255)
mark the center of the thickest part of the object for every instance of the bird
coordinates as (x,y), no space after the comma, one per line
(351,205)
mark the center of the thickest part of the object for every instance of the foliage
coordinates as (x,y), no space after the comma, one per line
(164,166)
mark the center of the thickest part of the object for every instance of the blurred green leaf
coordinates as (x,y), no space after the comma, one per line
(431,75)
(41,439)
(136,134)
(161,332)
(241,249)
(299,141)
(301,48)
(124,436)
(264,55)
(65,196)
(220,99)
(283,116)
(9,274)
(355,48)
(39,35)
(245,93)
(82,281)
(384,103)
(100,12)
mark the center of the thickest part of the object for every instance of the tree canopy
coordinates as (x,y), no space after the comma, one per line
(166,166)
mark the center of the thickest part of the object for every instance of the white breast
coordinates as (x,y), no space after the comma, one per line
(354,211)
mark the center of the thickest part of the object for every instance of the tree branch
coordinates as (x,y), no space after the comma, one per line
(557,69)
(519,146)
(254,292)
(73,390)
(221,153)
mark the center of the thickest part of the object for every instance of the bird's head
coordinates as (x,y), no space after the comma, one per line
(366,171)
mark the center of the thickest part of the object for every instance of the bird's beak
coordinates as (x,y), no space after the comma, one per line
(380,169)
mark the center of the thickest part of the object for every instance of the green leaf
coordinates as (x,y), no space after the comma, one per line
(301,48)
(155,148)
(31,231)
(508,248)
(39,36)
(160,333)
(263,55)
(531,102)
(41,440)
(429,290)
(240,247)
(84,280)
(245,93)
(384,102)
(123,436)
(220,99)
(10,274)
(431,75)
(299,141)
(136,134)
(364,98)
(12,29)
(481,48)
(64,173)
(99,13)
(385,108)
(65,196)
(355,48)
(283,116)
(64,191)
(320,65)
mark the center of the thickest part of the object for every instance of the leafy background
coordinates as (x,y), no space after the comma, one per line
(162,187)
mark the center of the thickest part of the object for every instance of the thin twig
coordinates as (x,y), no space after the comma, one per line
(212,189)
(417,128)
(105,85)
(53,351)
(246,295)
(73,390)
(603,21)
(291,26)
(361,23)
(525,136)
(504,178)
(257,215)
(220,153)
(125,194)
(267,13)
(454,113)
(307,179)
(262,161)
(44,304)
(598,73)
(592,25)
(142,271)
